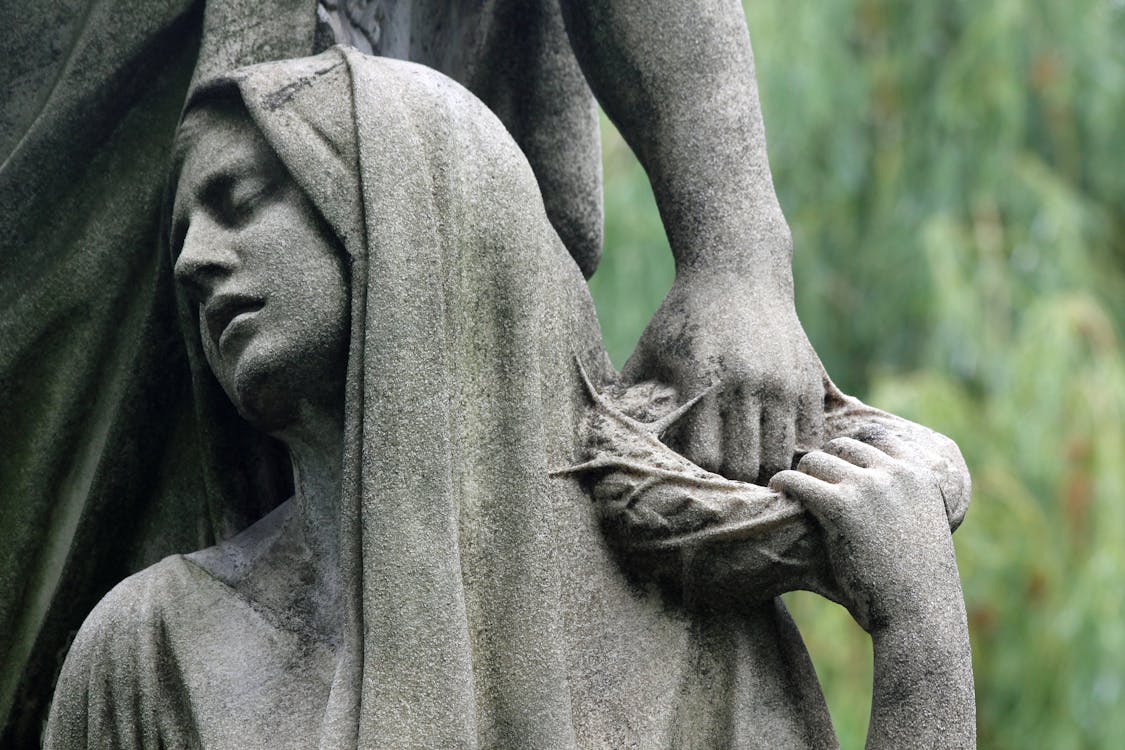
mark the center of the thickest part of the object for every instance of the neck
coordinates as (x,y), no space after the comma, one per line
(315,451)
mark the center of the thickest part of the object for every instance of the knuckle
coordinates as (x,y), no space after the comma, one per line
(883,482)
(775,389)
(848,494)
(749,375)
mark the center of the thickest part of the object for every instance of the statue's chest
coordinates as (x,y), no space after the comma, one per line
(249,682)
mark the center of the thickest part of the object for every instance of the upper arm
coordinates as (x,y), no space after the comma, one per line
(109,693)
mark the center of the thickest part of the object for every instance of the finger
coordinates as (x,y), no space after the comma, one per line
(741,446)
(700,438)
(855,452)
(779,441)
(827,467)
(810,421)
(878,436)
(823,499)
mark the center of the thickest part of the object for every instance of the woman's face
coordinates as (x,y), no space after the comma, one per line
(263,271)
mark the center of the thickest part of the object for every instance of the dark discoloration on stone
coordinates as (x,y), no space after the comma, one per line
(275,99)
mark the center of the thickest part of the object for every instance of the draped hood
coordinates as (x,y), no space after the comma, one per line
(467,312)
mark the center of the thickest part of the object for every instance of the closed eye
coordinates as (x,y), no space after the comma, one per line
(233,200)
(245,195)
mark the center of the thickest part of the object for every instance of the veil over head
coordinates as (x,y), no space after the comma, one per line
(466,314)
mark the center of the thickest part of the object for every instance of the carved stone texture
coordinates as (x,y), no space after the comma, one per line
(366,274)
(706,537)
(93,383)
(382,322)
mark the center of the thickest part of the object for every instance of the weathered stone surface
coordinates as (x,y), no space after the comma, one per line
(477,601)
(591,608)
(367,274)
(93,384)
(712,538)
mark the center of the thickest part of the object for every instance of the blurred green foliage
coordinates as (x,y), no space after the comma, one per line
(954,175)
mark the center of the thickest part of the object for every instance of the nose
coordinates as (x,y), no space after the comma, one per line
(206,256)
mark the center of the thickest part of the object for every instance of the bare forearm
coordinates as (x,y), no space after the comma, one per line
(678,80)
(923,686)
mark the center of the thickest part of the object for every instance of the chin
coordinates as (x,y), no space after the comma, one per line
(270,384)
(264,396)
(265,408)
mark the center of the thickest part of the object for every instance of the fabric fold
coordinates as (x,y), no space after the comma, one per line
(445,443)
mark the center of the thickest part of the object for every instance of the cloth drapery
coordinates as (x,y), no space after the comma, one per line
(97,477)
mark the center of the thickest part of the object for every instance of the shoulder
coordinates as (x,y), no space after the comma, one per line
(138,602)
(126,627)
(108,675)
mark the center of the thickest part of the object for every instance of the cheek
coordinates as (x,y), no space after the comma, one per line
(298,353)
(312,303)
(288,244)
(311,283)
(300,336)
(321,322)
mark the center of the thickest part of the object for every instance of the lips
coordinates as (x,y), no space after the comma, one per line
(221,309)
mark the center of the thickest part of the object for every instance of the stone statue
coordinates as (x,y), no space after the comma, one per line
(93,385)
(487,545)
(95,391)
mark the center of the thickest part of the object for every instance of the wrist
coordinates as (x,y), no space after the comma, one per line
(761,249)
(931,617)
(922,693)
(746,279)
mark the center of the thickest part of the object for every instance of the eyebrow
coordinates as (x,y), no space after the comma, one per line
(215,180)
